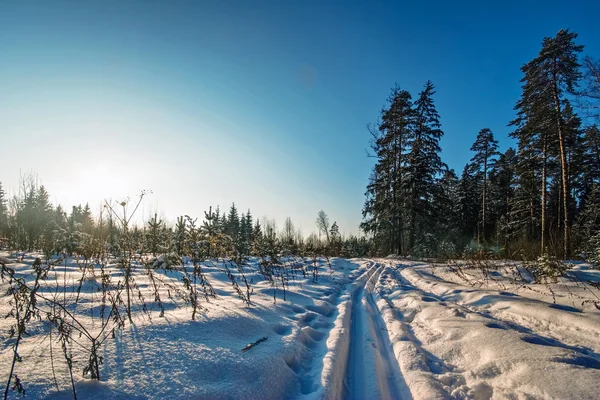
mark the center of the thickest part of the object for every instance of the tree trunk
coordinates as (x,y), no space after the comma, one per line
(563,165)
(484,195)
(544,183)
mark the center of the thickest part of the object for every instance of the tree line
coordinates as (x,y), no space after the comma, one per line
(540,198)
(29,222)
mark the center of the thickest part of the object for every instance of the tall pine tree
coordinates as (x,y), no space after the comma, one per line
(548,78)
(486,151)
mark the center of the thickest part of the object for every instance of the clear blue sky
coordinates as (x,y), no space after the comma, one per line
(261,103)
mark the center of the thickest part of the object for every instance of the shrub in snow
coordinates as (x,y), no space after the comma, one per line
(547,269)
(446,250)
(593,253)
(166,261)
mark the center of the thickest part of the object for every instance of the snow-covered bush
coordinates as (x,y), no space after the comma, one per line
(592,254)
(446,250)
(546,269)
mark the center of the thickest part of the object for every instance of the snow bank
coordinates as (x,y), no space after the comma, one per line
(453,341)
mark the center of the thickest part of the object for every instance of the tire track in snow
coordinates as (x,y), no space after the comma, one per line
(371,370)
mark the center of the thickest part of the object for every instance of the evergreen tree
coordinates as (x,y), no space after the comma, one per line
(87,219)
(469,200)
(220,220)
(249,238)
(335,246)
(257,237)
(424,164)
(591,157)
(587,225)
(154,234)
(524,221)
(28,217)
(384,212)
(547,79)
(3,212)
(232,227)
(502,191)
(179,235)
(486,150)
(43,211)
(287,235)
(446,206)
(211,228)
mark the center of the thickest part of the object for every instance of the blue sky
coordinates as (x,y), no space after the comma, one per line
(261,103)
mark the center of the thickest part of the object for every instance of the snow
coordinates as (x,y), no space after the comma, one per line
(465,342)
(382,328)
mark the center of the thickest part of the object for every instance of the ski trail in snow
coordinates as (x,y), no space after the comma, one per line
(355,379)
(371,371)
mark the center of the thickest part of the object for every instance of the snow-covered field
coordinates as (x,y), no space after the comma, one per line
(362,329)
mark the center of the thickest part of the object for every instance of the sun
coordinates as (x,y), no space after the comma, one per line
(101,182)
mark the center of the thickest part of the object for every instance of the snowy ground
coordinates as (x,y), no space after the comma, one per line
(365,329)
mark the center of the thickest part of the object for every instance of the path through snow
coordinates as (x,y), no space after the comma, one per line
(371,371)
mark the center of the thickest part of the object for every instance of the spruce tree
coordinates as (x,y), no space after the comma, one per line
(154,234)
(469,195)
(424,164)
(179,235)
(87,219)
(257,237)
(43,210)
(446,206)
(502,191)
(232,227)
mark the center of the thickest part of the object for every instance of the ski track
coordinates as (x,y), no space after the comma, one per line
(371,370)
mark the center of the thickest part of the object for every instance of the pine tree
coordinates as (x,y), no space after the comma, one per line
(547,79)
(486,150)
(384,212)
(335,246)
